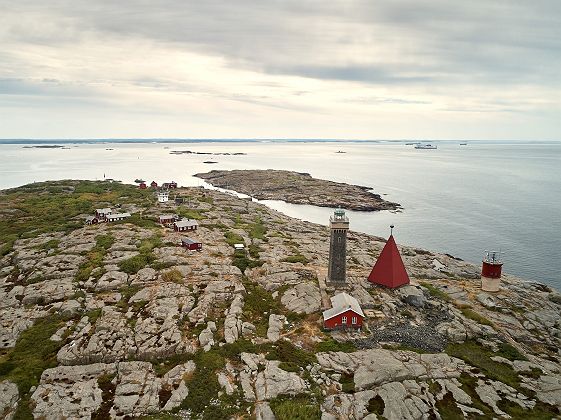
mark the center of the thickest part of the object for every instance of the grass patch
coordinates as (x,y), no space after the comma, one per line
(298,258)
(191,214)
(376,406)
(300,407)
(94,258)
(134,264)
(163,366)
(334,345)
(203,385)
(347,383)
(32,354)
(474,316)
(480,357)
(287,352)
(257,230)
(448,409)
(242,261)
(258,304)
(435,291)
(233,238)
(173,276)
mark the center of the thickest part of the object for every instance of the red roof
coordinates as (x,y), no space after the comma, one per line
(389,270)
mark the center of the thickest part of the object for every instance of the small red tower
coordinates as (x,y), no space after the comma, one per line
(491,271)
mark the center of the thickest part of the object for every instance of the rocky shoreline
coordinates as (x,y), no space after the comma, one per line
(118,321)
(298,188)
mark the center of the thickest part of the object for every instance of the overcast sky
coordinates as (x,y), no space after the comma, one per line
(373,69)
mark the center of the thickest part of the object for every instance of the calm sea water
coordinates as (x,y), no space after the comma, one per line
(457,199)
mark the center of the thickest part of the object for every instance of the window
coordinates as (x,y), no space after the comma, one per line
(354,320)
(344,320)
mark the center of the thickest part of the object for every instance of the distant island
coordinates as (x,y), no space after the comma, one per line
(298,188)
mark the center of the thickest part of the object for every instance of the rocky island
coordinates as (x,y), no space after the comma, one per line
(297,188)
(116,320)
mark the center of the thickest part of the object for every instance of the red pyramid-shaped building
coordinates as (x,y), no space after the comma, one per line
(389,270)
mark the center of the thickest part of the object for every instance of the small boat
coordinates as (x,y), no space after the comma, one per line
(340,151)
(413,143)
(425,146)
(463,144)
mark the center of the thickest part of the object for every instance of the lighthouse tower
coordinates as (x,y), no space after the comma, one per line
(339,224)
(491,271)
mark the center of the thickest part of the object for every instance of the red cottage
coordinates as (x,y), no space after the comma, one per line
(142,185)
(191,244)
(154,184)
(168,219)
(345,313)
(185,224)
(389,270)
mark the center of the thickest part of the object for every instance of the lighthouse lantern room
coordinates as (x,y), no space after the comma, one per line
(491,271)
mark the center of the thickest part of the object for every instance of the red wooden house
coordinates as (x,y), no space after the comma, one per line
(345,313)
(168,219)
(185,224)
(389,270)
(154,184)
(142,185)
(191,244)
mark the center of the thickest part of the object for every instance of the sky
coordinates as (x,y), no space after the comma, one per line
(348,69)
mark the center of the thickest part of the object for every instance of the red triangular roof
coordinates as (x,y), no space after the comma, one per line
(389,270)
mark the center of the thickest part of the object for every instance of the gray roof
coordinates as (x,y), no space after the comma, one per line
(342,303)
(118,215)
(103,211)
(167,216)
(186,223)
(189,241)
(90,218)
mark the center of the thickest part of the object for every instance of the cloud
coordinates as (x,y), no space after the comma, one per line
(285,61)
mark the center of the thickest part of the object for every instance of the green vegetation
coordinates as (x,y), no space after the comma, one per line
(94,258)
(145,257)
(448,409)
(471,314)
(108,394)
(257,305)
(300,407)
(233,238)
(32,354)
(480,357)
(555,298)
(46,207)
(257,230)
(287,352)
(298,258)
(173,276)
(191,213)
(376,405)
(347,383)
(134,264)
(509,352)
(435,291)
(203,385)
(242,261)
(333,345)
(52,244)
(163,366)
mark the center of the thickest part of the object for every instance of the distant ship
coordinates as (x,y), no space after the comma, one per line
(425,146)
(463,144)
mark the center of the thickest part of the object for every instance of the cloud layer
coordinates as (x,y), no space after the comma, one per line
(339,69)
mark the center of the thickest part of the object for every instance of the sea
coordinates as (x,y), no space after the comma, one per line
(461,199)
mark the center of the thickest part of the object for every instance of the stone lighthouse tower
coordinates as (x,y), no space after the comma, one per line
(491,271)
(339,224)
